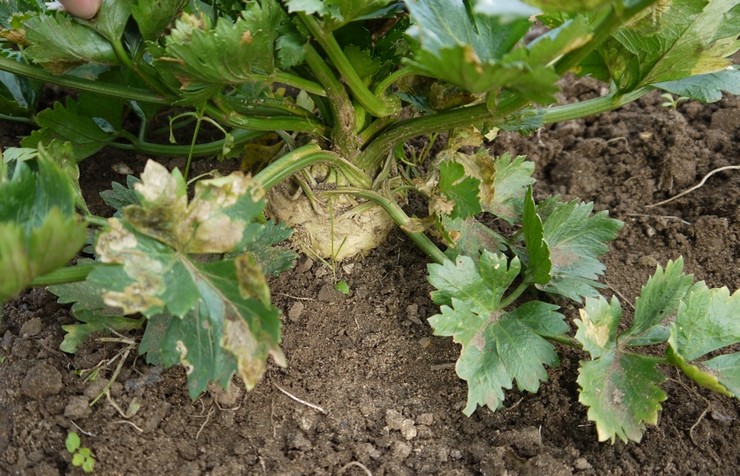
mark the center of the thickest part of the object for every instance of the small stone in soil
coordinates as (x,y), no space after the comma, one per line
(300,442)
(582,464)
(77,407)
(42,381)
(31,328)
(408,429)
(393,419)
(400,450)
(295,311)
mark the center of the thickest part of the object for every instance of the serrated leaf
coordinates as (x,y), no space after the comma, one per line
(273,260)
(470,237)
(458,47)
(219,316)
(538,253)
(708,320)
(39,231)
(622,391)
(59,44)
(119,196)
(597,327)
(460,189)
(227,53)
(337,13)
(483,283)
(498,347)
(18,95)
(90,309)
(66,123)
(656,307)
(111,19)
(705,87)
(673,40)
(154,16)
(511,179)
(215,221)
(576,239)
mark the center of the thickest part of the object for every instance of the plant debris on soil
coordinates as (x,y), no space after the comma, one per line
(368,388)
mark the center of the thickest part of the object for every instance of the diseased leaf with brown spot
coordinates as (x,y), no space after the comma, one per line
(576,239)
(498,346)
(220,317)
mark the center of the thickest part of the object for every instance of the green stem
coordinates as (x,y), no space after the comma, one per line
(343,133)
(68,274)
(369,133)
(198,123)
(199,150)
(515,294)
(565,340)
(106,89)
(301,158)
(125,60)
(378,107)
(96,220)
(403,131)
(381,88)
(400,217)
(612,21)
(265,106)
(22,120)
(590,107)
(225,115)
(298,82)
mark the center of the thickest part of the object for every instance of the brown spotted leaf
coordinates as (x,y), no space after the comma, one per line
(214,318)
(498,346)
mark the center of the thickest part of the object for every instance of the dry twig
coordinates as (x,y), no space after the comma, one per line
(308,404)
(697,186)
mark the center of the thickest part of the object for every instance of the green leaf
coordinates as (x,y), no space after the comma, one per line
(120,196)
(507,10)
(458,47)
(538,253)
(72,442)
(673,40)
(576,239)
(460,189)
(622,391)
(498,347)
(154,16)
(227,53)
(218,314)
(273,260)
(656,307)
(59,44)
(597,327)
(708,320)
(39,231)
(705,87)
(70,123)
(511,179)
(18,95)
(470,237)
(90,309)
(111,19)
(337,13)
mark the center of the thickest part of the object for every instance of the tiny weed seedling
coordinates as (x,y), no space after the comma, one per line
(81,457)
(319,102)
(672,101)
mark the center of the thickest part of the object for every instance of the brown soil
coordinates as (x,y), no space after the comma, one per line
(392,402)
